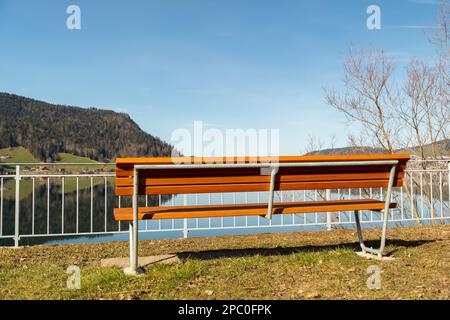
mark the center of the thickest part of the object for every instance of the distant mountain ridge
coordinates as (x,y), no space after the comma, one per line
(47,129)
(346,150)
(443,146)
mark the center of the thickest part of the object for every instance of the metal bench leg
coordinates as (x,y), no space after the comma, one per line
(130,232)
(378,252)
(133,269)
(273,174)
(367,250)
(358,228)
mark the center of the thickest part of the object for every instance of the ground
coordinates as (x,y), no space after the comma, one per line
(303,265)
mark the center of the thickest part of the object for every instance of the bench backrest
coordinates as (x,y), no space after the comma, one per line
(212,180)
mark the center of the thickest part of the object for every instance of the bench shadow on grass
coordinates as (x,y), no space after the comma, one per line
(246,252)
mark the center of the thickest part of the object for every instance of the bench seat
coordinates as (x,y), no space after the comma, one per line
(230,210)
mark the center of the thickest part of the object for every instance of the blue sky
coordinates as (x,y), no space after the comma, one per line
(232,64)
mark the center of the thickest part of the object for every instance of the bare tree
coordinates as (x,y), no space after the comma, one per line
(397,116)
(313,144)
(357,143)
(332,143)
(440,39)
(426,111)
(369,97)
(439,36)
(394,116)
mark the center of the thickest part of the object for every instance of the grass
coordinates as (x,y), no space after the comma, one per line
(18,154)
(22,155)
(70,158)
(306,265)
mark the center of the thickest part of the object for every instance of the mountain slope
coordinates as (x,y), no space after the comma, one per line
(47,129)
(346,150)
(442,147)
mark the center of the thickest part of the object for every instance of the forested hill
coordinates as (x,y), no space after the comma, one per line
(47,129)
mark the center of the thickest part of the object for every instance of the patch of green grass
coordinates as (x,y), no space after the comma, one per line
(18,154)
(305,258)
(70,158)
(15,155)
(103,280)
(306,265)
(170,277)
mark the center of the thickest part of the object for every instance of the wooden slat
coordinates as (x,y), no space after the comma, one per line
(205,211)
(159,181)
(128,171)
(248,187)
(169,160)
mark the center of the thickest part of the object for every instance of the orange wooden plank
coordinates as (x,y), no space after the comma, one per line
(205,211)
(158,181)
(169,160)
(128,171)
(248,187)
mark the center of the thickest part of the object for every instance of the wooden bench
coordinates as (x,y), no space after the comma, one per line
(156,176)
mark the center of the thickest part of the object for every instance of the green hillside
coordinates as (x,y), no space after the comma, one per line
(71,158)
(47,130)
(18,154)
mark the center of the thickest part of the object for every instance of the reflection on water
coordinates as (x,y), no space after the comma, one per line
(44,214)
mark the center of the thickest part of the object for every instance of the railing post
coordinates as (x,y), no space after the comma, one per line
(328,197)
(185,224)
(17,208)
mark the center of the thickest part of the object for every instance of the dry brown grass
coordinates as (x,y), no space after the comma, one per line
(304,265)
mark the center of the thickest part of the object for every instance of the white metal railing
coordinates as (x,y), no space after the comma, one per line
(42,204)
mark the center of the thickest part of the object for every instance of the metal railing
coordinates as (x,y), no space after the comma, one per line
(42,202)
